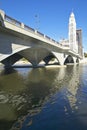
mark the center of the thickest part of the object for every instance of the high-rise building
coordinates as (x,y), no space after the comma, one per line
(79,41)
(74,37)
(72,33)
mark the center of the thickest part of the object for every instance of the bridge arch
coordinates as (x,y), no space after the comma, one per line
(51,57)
(69,59)
(9,61)
(33,54)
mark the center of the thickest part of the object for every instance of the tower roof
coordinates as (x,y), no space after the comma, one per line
(72,14)
(72,18)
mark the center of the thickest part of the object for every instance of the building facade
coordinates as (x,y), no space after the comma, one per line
(79,41)
(72,33)
(74,36)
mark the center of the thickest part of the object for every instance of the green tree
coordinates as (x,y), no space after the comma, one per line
(85,54)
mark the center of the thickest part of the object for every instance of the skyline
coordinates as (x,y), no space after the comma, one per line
(49,17)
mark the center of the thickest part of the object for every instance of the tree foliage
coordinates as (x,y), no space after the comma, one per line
(85,54)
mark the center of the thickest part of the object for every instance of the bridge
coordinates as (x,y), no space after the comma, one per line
(18,40)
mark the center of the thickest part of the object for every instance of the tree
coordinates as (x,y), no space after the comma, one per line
(85,54)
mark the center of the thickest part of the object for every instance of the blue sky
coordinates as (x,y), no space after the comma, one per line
(50,17)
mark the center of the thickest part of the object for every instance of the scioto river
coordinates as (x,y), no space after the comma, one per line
(47,98)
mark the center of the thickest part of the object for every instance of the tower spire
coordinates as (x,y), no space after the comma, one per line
(72,32)
(72,9)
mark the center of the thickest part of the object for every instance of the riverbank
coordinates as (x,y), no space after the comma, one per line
(84,60)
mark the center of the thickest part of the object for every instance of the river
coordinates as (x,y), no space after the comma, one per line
(47,98)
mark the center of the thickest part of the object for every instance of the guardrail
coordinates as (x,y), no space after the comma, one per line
(21,25)
(13,21)
(27,28)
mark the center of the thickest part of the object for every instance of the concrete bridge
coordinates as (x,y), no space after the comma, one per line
(18,40)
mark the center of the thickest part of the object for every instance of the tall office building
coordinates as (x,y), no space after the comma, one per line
(79,41)
(72,33)
(74,37)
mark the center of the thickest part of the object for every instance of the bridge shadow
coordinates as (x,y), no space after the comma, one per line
(7,71)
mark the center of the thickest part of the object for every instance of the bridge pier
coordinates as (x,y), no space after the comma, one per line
(60,57)
(34,64)
(74,58)
(7,63)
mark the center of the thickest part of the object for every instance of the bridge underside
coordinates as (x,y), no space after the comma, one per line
(36,55)
(14,46)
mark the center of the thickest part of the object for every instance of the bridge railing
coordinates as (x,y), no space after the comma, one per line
(39,33)
(28,28)
(21,25)
(13,21)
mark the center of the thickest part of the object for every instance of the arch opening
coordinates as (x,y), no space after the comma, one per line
(69,60)
(51,60)
(14,59)
(34,56)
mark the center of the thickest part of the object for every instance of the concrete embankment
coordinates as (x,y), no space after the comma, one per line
(84,60)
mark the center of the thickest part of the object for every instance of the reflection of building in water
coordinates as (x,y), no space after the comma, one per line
(59,77)
(68,78)
(73,86)
(22,91)
(34,90)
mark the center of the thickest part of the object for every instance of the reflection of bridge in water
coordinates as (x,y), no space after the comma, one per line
(18,40)
(25,93)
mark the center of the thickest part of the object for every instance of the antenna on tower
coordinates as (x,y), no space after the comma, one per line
(72,10)
(37,22)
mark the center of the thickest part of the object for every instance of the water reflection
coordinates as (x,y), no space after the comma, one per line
(28,95)
(73,86)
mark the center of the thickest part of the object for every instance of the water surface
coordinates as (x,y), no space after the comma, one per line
(43,98)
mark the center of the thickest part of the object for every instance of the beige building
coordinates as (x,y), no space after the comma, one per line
(74,40)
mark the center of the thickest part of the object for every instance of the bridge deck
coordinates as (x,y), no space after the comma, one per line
(16,26)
